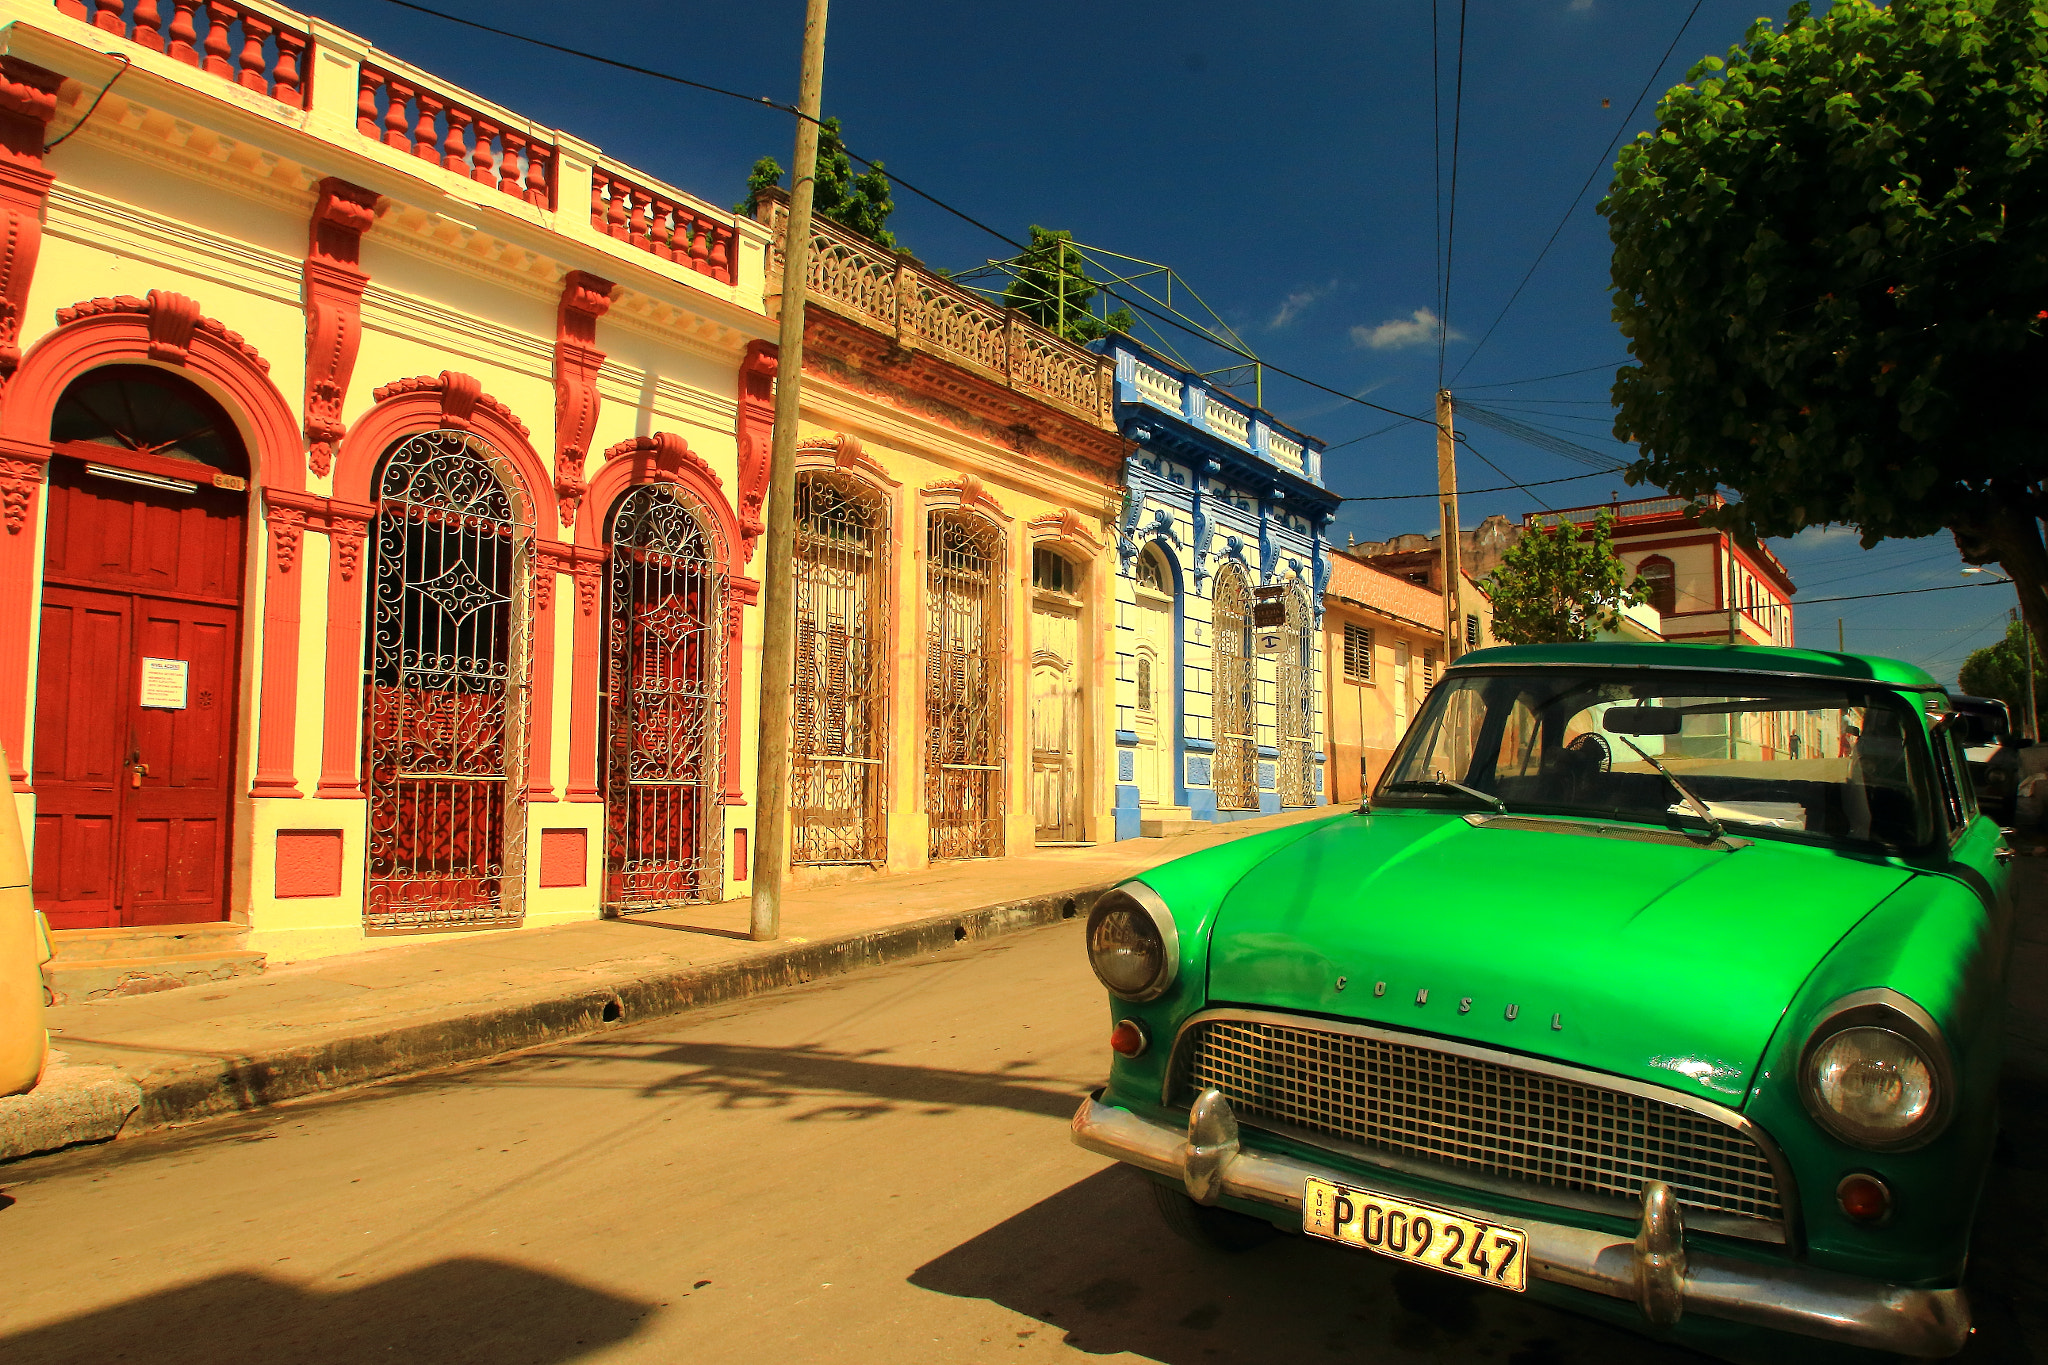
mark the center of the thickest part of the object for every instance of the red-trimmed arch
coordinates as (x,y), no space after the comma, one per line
(169,332)
(453,401)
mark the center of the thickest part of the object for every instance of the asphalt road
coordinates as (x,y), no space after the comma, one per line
(870,1169)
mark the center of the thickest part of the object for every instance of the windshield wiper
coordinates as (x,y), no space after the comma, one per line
(1699,807)
(1438,782)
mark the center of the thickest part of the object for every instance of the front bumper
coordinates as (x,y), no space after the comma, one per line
(1655,1270)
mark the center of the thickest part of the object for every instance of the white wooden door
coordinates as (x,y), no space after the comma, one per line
(1400,689)
(1153,717)
(1056,737)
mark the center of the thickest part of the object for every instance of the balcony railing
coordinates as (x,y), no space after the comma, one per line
(400,111)
(891,293)
(255,48)
(661,222)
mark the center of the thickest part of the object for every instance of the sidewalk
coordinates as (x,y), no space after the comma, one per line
(141,1062)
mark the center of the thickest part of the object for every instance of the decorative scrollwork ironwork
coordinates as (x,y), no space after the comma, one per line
(447,696)
(1296,694)
(964,738)
(665,689)
(839,760)
(1236,769)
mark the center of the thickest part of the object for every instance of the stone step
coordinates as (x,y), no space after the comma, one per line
(75,983)
(150,940)
(1164,822)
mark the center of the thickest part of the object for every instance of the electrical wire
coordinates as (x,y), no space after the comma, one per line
(894,179)
(1541,378)
(1443,317)
(1606,152)
(1536,436)
(1475,492)
(1901,592)
(126,62)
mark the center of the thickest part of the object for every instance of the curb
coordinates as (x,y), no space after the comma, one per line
(77,1105)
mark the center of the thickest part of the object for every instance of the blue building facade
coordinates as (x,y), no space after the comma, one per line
(1222,564)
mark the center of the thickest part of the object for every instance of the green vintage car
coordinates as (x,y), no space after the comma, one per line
(1663,981)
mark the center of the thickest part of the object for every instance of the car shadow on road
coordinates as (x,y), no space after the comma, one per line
(1094,1265)
(458,1310)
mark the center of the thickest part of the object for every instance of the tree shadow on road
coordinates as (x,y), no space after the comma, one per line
(1096,1267)
(464,1309)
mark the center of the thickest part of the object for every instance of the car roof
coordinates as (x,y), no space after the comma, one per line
(1735,658)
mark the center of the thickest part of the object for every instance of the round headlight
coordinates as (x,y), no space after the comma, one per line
(1132,943)
(1875,1073)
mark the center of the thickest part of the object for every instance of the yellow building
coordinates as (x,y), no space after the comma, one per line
(378,499)
(956,497)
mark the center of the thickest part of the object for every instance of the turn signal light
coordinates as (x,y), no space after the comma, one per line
(1864,1198)
(1128,1039)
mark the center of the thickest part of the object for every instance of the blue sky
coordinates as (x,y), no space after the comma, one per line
(1279,156)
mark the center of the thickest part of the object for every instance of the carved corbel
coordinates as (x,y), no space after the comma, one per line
(172,320)
(754,428)
(334,283)
(287,530)
(28,100)
(459,395)
(585,298)
(19,479)
(589,577)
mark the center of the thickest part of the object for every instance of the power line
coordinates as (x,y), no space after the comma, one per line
(894,179)
(1380,431)
(1436,153)
(1541,378)
(1474,492)
(1443,319)
(1902,592)
(1536,436)
(1466,442)
(1626,120)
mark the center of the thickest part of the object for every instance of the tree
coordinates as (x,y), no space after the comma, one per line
(1831,263)
(2000,671)
(858,203)
(1558,587)
(1050,284)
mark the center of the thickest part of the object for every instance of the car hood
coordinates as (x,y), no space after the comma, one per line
(1666,962)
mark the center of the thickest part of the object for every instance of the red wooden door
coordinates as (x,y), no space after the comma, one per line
(134,800)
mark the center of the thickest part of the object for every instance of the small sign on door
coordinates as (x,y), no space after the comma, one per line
(163,683)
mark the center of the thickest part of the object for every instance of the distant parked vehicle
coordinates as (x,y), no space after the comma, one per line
(1659,981)
(24,947)
(1994,763)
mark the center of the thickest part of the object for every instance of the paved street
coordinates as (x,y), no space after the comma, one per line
(874,1168)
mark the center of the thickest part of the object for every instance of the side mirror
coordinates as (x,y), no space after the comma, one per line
(1642,720)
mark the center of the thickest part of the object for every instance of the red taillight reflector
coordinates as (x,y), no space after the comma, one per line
(1127,1039)
(1864,1198)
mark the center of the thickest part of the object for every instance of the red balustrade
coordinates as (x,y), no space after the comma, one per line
(656,223)
(231,41)
(396,112)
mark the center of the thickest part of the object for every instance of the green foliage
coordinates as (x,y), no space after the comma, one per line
(858,203)
(1561,587)
(2000,671)
(1831,263)
(1051,286)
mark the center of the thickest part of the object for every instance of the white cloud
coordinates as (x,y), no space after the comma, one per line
(1297,303)
(1399,334)
(1821,536)
(1579,7)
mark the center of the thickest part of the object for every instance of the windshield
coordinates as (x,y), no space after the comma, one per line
(1782,757)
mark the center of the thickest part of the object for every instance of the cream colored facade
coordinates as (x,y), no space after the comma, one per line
(190,183)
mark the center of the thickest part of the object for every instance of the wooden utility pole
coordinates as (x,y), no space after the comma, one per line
(1447,503)
(778,589)
(1734,630)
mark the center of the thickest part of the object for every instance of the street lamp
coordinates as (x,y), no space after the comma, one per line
(2027,649)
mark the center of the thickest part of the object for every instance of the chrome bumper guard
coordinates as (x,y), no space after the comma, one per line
(1654,1270)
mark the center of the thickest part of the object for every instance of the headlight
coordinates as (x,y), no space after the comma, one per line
(1132,943)
(1875,1073)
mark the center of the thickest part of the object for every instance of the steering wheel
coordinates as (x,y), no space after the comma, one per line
(1589,754)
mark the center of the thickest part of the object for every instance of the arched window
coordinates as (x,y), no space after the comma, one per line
(1152,572)
(1236,769)
(447,694)
(1145,682)
(838,798)
(665,691)
(963,692)
(1658,576)
(1296,693)
(145,410)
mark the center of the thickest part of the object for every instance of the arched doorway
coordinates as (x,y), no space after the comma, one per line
(1155,717)
(838,763)
(1296,679)
(963,693)
(138,673)
(1236,772)
(447,695)
(1058,731)
(664,715)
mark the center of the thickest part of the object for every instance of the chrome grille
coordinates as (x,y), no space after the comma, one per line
(1477,1115)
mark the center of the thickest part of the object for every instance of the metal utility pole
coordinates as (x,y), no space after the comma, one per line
(778,589)
(1734,629)
(1447,502)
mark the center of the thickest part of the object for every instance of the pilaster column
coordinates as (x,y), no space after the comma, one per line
(741,593)
(22,471)
(341,767)
(584,678)
(278,701)
(540,729)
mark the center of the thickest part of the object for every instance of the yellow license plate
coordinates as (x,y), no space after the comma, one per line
(1419,1233)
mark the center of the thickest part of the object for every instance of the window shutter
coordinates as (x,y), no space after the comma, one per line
(1471,632)
(1357,653)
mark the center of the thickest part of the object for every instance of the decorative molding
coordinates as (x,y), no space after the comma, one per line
(28,100)
(172,320)
(968,491)
(754,428)
(287,529)
(461,395)
(668,455)
(19,479)
(589,577)
(334,284)
(1064,525)
(585,298)
(543,586)
(846,453)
